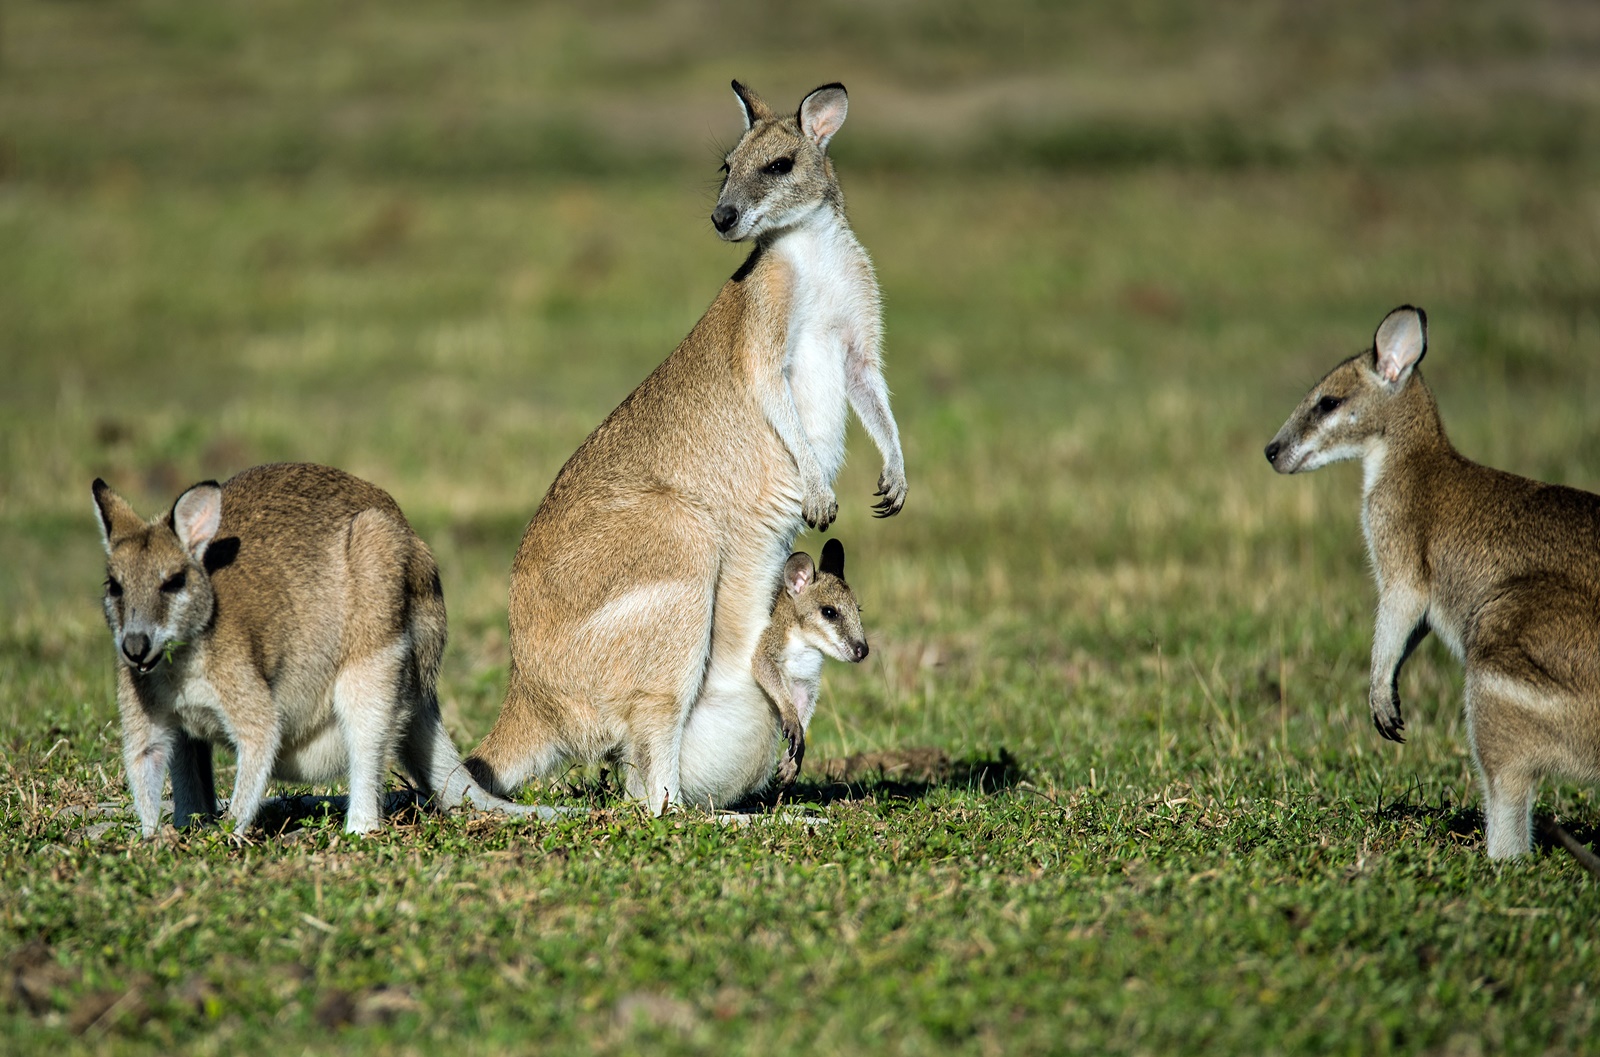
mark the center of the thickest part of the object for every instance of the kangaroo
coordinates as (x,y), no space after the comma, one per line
(645,577)
(292,614)
(815,613)
(1506,571)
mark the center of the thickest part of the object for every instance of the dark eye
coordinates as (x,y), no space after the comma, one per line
(829,613)
(113,588)
(1328,403)
(779,167)
(174,583)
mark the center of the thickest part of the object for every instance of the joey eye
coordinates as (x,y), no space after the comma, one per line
(175,583)
(829,613)
(113,588)
(779,167)
(1327,404)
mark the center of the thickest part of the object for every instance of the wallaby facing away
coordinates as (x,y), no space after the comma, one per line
(815,613)
(645,577)
(293,614)
(1505,570)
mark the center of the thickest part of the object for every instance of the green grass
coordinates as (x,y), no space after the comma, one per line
(1116,243)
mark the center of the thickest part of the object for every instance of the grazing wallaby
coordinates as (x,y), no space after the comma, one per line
(815,613)
(645,577)
(292,614)
(1505,570)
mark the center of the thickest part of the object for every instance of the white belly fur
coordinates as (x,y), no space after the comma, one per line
(729,747)
(835,305)
(312,746)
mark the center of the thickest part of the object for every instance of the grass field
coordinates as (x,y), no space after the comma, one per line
(435,245)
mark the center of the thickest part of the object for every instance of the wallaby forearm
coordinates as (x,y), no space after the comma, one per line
(1401,609)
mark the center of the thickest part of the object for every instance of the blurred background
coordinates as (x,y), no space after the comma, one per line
(434,243)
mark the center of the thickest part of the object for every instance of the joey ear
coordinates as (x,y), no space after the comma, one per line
(116,518)
(798,573)
(833,558)
(822,113)
(1400,343)
(752,105)
(196,516)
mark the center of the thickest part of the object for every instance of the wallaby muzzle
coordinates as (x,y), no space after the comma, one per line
(136,650)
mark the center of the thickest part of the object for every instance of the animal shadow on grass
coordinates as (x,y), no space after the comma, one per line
(892,774)
(278,816)
(1465,824)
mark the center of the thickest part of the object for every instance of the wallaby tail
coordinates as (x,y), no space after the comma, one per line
(1554,831)
(429,624)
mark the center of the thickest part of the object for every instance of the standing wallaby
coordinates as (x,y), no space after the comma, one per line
(1505,570)
(815,613)
(645,577)
(292,614)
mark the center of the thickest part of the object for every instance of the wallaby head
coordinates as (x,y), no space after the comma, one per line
(1358,403)
(158,592)
(779,171)
(828,616)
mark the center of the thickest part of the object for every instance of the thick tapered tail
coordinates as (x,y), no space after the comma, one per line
(1557,833)
(429,622)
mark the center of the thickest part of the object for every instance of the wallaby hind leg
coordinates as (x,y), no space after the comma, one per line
(1505,745)
(366,703)
(651,771)
(658,717)
(1508,813)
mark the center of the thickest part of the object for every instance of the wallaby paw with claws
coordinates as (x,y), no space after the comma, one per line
(892,490)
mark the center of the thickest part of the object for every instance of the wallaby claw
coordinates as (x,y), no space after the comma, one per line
(1386,717)
(892,487)
(820,509)
(789,768)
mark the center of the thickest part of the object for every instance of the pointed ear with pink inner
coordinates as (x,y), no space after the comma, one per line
(798,572)
(822,113)
(196,516)
(1400,343)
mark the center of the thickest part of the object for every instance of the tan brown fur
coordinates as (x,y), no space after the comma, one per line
(292,614)
(815,614)
(645,577)
(1504,569)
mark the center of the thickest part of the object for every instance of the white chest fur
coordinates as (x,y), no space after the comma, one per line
(802,671)
(200,709)
(835,308)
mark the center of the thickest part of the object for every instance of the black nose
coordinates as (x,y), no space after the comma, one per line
(861,651)
(134,647)
(724,217)
(1272,452)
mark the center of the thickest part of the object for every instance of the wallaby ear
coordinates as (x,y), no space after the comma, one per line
(833,558)
(822,113)
(753,107)
(195,517)
(115,517)
(798,573)
(1400,343)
